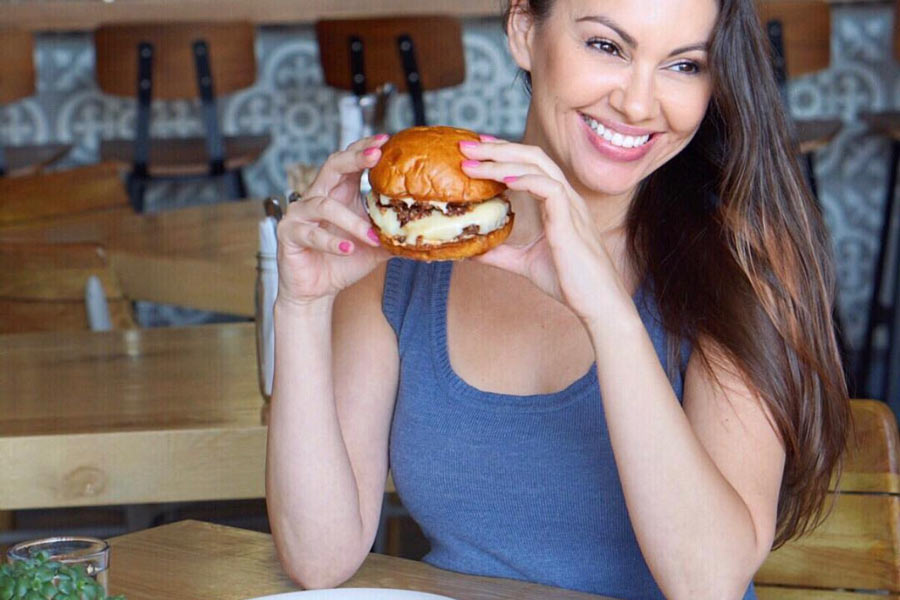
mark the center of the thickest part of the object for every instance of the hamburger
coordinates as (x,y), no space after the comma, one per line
(422,205)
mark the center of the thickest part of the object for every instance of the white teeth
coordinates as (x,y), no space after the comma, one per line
(616,139)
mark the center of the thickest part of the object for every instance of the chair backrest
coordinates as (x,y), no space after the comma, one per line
(805,30)
(438,49)
(231,51)
(857,547)
(17,79)
(61,193)
(43,287)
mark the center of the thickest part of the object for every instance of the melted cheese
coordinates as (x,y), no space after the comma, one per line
(436,227)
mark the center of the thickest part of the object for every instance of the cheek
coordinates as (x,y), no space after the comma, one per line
(686,108)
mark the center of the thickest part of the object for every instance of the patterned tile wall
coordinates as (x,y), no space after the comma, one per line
(290,103)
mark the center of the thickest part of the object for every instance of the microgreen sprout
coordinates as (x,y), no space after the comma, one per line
(39,578)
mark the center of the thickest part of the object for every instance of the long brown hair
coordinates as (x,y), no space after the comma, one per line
(739,259)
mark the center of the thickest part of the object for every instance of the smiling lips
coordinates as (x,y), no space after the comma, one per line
(616,144)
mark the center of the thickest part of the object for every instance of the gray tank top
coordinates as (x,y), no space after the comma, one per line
(523,487)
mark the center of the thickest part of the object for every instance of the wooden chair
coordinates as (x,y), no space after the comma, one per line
(17,81)
(882,314)
(856,550)
(424,52)
(75,191)
(43,287)
(800,35)
(169,61)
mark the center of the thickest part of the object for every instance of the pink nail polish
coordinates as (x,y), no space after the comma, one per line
(488,138)
(381,137)
(369,151)
(373,236)
(509,178)
(345,247)
(468,144)
(470,163)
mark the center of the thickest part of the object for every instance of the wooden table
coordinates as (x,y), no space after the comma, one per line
(87,14)
(201,257)
(154,415)
(191,560)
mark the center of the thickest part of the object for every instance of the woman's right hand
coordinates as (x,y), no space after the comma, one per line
(325,240)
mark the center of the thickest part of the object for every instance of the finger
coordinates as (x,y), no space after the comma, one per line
(311,236)
(323,210)
(509,152)
(554,197)
(360,155)
(499,171)
(508,258)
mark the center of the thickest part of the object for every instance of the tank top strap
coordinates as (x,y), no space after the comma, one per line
(399,288)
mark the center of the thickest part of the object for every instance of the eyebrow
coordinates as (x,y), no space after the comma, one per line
(702,46)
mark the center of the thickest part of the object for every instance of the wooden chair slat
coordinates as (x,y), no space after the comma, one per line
(857,547)
(437,41)
(28,160)
(17,78)
(884,123)
(73,191)
(231,49)
(806,26)
(186,156)
(815,134)
(766,592)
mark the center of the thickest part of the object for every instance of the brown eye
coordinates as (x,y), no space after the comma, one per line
(688,67)
(605,46)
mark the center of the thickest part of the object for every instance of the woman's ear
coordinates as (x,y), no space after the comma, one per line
(519,30)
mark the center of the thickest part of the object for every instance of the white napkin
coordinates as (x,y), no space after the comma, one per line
(266,291)
(96,305)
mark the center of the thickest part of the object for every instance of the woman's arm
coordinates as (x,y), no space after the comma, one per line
(701,481)
(333,395)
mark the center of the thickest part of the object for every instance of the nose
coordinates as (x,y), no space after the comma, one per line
(635,96)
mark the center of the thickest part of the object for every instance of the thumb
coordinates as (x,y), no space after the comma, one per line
(508,258)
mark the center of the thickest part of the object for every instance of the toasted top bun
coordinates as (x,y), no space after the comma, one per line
(423,163)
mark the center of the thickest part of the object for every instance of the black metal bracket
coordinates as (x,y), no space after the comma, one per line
(882,315)
(775,32)
(215,145)
(141,156)
(357,65)
(413,77)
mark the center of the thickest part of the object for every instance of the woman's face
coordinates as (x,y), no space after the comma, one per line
(618,86)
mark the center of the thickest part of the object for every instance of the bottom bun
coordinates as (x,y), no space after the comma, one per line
(455,250)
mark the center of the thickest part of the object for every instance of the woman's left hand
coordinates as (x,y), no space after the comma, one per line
(568,261)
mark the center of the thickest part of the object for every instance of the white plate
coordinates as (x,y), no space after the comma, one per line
(355,594)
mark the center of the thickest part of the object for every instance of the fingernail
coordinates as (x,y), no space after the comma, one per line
(370,151)
(468,144)
(373,236)
(381,137)
(345,247)
(470,163)
(509,178)
(487,138)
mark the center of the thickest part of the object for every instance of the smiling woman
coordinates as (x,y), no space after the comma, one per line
(639,393)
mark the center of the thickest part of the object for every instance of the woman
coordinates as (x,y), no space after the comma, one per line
(639,393)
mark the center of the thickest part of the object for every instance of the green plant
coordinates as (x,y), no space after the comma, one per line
(39,578)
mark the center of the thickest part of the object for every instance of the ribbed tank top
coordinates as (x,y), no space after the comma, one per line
(522,487)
